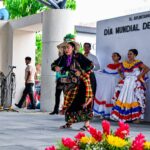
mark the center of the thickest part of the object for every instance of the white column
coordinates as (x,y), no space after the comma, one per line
(5,35)
(56,24)
(4,52)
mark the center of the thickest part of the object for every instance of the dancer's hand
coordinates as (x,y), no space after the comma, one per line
(84,105)
(77,73)
(87,103)
(57,69)
(140,77)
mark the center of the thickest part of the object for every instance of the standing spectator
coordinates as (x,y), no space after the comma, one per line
(107,80)
(29,83)
(93,58)
(60,86)
(38,79)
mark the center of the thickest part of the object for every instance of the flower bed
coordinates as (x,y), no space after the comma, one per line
(105,140)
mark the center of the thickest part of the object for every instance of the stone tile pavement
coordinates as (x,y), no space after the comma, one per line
(34,130)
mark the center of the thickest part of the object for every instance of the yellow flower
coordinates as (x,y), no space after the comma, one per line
(116,141)
(88,140)
(147,145)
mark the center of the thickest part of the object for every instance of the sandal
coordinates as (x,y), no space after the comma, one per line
(136,121)
(65,126)
(84,128)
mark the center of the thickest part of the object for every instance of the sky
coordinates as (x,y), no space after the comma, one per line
(89,11)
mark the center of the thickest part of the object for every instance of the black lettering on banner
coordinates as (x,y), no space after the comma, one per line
(108,31)
(127,28)
(141,16)
(130,18)
(146,25)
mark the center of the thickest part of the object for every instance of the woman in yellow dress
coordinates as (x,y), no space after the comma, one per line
(129,97)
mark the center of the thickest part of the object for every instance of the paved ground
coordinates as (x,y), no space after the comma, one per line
(33,130)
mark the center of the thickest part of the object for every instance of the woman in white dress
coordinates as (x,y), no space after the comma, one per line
(129,97)
(107,81)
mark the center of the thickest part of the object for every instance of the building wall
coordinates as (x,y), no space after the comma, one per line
(14,47)
(19,41)
(23,45)
(87,37)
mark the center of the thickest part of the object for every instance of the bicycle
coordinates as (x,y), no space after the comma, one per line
(2,90)
(8,87)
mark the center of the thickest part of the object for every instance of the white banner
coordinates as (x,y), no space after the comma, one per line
(121,34)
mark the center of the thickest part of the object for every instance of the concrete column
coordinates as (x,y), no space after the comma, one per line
(56,24)
(5,32)
(6,38)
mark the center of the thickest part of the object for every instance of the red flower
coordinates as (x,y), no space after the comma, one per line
(123,130)
(79,135)
(95,133)
(106,127)
(75,148)
(138,143)
(51,148)
(68,142)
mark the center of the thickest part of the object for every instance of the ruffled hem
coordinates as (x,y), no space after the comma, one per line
(126,111)
(102,108)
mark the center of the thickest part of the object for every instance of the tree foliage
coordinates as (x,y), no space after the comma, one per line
(21,8)
(71,4)
(38,57)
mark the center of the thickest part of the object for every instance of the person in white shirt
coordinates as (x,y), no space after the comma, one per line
(93,58)
(29,83)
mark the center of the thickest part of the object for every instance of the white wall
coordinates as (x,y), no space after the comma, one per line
(14,47)
(23,45)
(85,37)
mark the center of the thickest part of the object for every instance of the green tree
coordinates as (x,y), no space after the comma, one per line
(38,57)
(22,8)
(71,4)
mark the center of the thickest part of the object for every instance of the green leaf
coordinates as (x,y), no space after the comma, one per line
(21,8)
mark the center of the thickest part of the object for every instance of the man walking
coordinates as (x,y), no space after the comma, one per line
(29,83)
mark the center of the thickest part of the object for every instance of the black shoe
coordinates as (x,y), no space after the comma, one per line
(33,107)
(18,105)
(53,113)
